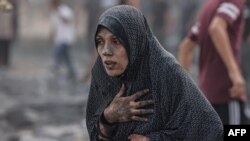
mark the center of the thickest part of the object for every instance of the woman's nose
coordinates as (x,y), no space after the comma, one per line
(107,50)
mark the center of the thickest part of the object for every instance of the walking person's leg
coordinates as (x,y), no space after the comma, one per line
(245,50)
(232,113)
(58,57)
(245,117)
(6,53)
(68,61)
(1,53)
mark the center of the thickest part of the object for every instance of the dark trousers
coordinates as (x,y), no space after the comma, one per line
(62,57)
(4,52)
(232,113)
(245,51)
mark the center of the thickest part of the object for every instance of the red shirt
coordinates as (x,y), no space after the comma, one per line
(213,76)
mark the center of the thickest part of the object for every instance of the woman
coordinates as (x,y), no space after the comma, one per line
(138,90)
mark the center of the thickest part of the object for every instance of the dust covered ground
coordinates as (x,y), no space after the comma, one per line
(36,104)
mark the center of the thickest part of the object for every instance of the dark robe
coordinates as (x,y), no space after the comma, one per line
(181,112)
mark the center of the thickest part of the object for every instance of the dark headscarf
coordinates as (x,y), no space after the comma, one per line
(181,111)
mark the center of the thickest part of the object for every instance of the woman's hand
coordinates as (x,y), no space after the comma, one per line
(136,137)
(124,109)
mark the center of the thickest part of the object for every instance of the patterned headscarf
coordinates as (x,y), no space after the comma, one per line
(181,111)
(133,34)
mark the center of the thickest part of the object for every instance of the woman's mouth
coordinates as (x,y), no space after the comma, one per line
(109,64)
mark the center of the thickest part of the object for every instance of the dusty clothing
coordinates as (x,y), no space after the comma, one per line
(181,112)
(213,77)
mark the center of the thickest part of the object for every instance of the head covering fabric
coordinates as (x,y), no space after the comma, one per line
(181,112)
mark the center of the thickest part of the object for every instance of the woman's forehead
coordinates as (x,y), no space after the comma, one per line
(102,31)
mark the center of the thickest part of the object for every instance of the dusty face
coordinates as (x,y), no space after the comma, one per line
(112,52)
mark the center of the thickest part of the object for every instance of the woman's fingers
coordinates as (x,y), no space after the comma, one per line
(137,118)
(134,137)
(139,94)
(135,114)
(140,104)
(137,137)
(142,111)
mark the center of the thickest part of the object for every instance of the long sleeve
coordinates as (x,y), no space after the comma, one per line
(92,114)
(96,125)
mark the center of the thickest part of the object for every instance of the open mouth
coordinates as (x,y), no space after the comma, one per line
(109,64)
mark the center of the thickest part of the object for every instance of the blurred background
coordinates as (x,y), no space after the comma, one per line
(38,105)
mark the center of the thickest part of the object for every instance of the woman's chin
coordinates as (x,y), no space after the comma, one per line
(113,73)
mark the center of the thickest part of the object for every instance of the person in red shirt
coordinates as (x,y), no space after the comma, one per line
(218,33)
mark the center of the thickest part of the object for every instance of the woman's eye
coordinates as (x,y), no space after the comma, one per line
(116,41)
(99,42)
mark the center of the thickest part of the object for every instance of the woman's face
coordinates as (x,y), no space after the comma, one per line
(112,52)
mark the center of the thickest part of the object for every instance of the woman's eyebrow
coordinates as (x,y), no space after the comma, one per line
(98,37)
(114,36)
